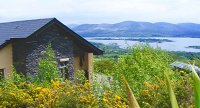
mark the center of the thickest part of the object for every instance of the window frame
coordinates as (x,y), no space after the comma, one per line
(2,73)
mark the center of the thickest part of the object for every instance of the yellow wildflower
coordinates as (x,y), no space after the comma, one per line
(145,91)
(41,105)
(182,72)
(38,88)
(62,83)
(87,85)
(68,93)
(73,91)
(105,100)
(22,83)
(13,94)
(117,98)
(147,104)
(55,83)
(45,90)
(83,99)
(157,86)
(146,84)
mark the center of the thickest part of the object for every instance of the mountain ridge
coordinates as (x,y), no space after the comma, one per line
(139,29)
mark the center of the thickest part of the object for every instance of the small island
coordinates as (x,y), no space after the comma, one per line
(139,40)
(152,40)
(194,47)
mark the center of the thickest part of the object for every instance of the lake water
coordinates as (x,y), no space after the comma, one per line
(178,44)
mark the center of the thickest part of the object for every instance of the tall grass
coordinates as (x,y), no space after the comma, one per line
(196,82)
(172,96)
(131,98)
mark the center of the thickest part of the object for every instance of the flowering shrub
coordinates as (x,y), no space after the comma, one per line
(59,94)
(158,91)
(154,95)
(46,90)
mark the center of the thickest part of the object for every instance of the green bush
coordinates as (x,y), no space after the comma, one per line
(80,77)
(104,66)
(142,64)
(48,68)
(16,77)
(143,68)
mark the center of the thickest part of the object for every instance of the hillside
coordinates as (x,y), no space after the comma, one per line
(132,28)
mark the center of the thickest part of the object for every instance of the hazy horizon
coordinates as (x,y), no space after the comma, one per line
(102,11)
(132,21)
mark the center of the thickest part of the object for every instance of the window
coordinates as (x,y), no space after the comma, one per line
(2,71)
(64,68)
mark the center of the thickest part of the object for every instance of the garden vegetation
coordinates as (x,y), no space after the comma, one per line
(143,71)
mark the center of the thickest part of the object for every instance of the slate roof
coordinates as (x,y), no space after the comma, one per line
(23,29)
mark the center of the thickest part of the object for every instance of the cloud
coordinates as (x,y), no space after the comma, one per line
(102,11)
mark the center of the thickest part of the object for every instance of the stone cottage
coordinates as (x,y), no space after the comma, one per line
(23,42)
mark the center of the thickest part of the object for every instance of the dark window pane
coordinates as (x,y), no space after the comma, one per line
(1,74)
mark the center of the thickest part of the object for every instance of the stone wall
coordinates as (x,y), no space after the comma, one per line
(27,52)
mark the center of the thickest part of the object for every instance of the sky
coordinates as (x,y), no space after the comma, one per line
(102,11)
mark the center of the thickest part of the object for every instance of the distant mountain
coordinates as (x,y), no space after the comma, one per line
(72,25)
(132,28)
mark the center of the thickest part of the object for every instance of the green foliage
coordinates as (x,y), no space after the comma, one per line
(17,78)
(104,66)
(196,61)
(142,64)
(111,50)
(186,55)
(143,68)
(48,67)
(196,83)
(183,88)
(80,77)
